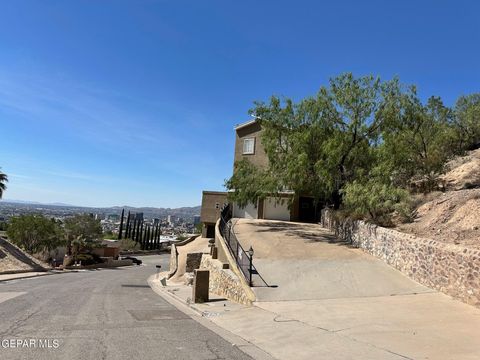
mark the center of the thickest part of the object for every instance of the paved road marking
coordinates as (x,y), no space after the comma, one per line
(9,295)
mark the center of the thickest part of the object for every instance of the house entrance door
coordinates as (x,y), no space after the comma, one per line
(307,209)
(211,231)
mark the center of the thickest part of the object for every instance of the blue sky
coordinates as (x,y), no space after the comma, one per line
(108,103)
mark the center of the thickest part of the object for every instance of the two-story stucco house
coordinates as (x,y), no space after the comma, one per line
(248,145)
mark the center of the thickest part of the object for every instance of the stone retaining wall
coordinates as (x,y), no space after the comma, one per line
(224,282)
(450,268)
(193,261)
(225,257)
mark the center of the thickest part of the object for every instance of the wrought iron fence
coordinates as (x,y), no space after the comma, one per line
(243,259)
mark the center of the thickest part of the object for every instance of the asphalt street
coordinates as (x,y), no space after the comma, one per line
(101,314)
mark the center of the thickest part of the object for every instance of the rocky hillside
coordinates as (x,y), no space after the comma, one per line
(452,216)
(12,258)
(464,172)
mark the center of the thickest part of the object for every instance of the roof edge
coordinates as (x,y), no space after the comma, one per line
(245,124)
(209,192)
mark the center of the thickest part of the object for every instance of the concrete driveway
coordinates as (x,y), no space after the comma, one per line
(335,302)
(306,262)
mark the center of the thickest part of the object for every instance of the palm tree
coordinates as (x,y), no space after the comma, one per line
(3,183)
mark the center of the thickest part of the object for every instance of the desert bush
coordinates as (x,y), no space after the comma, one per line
(376,201)
(82,232)
(88,259)
(35,233)
(129,244)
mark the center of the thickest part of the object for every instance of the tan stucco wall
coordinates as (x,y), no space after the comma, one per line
(209,212)
(259,158)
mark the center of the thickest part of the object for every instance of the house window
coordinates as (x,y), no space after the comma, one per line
(249,146)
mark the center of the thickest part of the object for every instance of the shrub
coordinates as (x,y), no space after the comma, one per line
(376,201)
(109,235)
(88,259)
(182,237)
(129,244)
(82,232)
(35,233)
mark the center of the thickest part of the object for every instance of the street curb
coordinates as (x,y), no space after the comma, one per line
(244,345)
(171,297)
(26,277)
(55,272)
(13,272)
(48,272)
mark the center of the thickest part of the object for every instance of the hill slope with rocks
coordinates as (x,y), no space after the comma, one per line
(452,216)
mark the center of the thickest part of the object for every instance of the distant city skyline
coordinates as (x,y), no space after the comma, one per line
(126,206)
(134,102)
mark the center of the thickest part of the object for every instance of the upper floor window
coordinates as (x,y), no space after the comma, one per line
(249,146)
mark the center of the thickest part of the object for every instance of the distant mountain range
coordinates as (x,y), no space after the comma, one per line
(152,212)
(12,201)
(149,212)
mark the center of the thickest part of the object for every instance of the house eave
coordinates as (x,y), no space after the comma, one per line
(245,124)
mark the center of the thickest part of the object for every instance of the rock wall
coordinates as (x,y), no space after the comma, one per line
(452,269)
(193,261)
(225,257)
(224,282)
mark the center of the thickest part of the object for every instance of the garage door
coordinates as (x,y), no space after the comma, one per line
(248,212)
(274,210)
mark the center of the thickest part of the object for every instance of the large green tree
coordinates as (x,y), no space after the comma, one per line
(317,145)
(467,120)
(82,231)
(356,136)
(3,183)
(35,233)
(416,140)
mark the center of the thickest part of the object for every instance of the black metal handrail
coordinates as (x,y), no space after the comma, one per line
(243,259)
